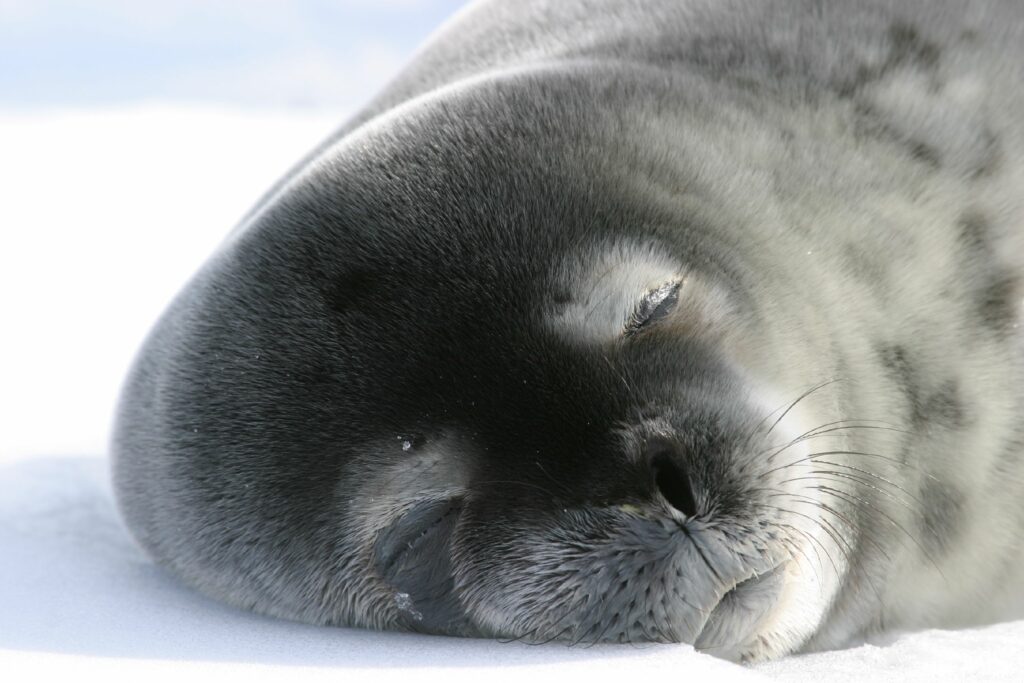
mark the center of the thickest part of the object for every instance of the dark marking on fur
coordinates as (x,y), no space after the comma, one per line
(998,301)
(909,48)
(942,512)
(975,231)
(867,267)
(981,154)
(1011,456)
(997,297)
(906,48)
(970,36)
(906,376)
(991,156)
(753,68)
(870,123)
(923,152)
(945,407)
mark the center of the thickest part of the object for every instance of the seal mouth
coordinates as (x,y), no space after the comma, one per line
(743,608)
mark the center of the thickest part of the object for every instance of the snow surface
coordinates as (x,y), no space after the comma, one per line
(103,216)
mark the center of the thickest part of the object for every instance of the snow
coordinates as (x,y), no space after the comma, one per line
(104,214)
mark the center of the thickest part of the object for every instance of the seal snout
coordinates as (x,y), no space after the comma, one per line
(738,614)
(671,479)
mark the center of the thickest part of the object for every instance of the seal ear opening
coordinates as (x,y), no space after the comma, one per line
(413,556)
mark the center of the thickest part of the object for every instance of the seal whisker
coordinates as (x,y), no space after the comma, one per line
(597,283)
(781,525)
(840,544)
(559,634)
(832,532)
(784,407)
(819,474)
(807,500)
(812,475)
(828,508)
(801,398)
(815,544)
(822,430)
(865,454)
(793,547)
(560,485)
(878,478)
(510,482)
(819,432)
(600,636)
(617,373)
(853,500)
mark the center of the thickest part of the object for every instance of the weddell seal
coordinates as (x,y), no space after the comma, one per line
(686,320)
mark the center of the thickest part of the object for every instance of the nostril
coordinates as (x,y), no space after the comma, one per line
(673,484)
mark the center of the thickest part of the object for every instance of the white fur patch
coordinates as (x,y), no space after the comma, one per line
(604,291)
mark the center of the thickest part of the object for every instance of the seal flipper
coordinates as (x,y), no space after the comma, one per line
(413,556)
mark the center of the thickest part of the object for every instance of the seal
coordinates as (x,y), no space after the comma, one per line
(691,321)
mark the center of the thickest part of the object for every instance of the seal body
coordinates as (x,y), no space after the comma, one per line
(688,321)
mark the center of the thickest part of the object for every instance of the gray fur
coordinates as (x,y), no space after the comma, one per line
(426,385)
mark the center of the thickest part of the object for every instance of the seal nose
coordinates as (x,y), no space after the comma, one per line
(670,478)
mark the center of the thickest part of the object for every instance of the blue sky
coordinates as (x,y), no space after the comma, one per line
(250,53)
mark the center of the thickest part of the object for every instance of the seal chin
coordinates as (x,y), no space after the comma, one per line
(731,630)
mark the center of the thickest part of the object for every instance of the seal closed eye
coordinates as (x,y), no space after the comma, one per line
(655,305)
(683,321)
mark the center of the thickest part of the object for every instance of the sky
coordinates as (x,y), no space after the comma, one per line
(244,53)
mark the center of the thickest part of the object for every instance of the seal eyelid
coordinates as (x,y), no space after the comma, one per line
(656,304)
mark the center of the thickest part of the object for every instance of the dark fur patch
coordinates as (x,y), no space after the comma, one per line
(998,301)
(867,267)
(923,152)
(997,297)
(906,48)
(942,408)
(970,36)
(413,557)
(342,293)
(991,157)
(942,510)
(1011,456)
(945,407)
(975,231)
(872,124)
(905,374)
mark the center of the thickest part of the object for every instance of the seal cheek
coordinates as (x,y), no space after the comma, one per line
(413,556)
(739,615)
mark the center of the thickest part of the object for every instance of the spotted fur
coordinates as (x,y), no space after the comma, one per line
(417,387)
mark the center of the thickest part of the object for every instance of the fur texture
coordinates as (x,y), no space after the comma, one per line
(671,320)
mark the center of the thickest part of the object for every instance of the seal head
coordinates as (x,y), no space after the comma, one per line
(585,348)
(514,416)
